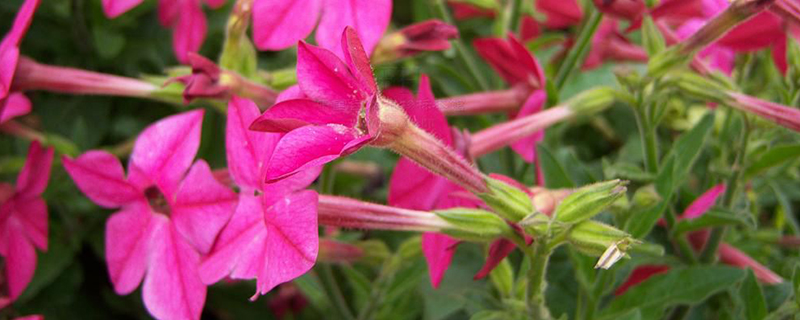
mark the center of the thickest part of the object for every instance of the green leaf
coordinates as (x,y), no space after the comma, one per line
(554,174)
(108,42)
(796,283)
(755,307)
(689,286)
(713,218)
(651,36)
(771,158)
(684,153)
(640,223)
(503,278)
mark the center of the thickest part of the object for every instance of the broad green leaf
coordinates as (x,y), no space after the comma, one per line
(626,170)
(554,174)
(714,218)
(771,158)
(684,153)
(640,223)
(755,307)
(688,286)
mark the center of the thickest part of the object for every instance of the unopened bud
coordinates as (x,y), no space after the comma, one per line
(588,201)
(701,87)
(474,224)
(592,101)
(507,201)
(431,35)
(653,40)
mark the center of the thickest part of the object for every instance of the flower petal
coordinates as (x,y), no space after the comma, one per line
(239,249)
(165,149)
(309,147)
(323,77)
(498,250)
(276,191)
(247,151)
(703,203)
(172,288)
(168,12)
(9,56)
(560,13)
(115,8)
(756,33)
(369,18)
(202,207)
(639,275)
(215,4)
(100,177)
(358,60)
(292,114)
(293,92)
(128,236)
(20,259)
(279,24)
(32,217)
(729,255)
(526,147)
(422,110)
(292,239)
(438,250)
(32,180)
(190,30)
(15,105)
(414,187)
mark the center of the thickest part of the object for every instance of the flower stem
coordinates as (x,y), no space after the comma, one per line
(331,287)
(461,50)
(484,102)
(539,256)
(574,58)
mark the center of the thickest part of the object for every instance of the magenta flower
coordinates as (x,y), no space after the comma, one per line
(210,81)
(14,104)
(171,213)
(621,9)
(23,221)
(465,10)
(609,44)
(273,235)
(560,13)
(184,17)
(279,24)
(429,35)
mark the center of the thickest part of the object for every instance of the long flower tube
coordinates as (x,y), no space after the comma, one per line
(485,102)
(351,213)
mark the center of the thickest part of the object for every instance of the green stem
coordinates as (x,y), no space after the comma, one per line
(649,143)
(574,58)
(710,250)
(537,280)
(514,14)
(378,291)
(333,291)
(461,50)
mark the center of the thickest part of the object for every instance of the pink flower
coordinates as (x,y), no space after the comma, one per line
(560,13)
(429,35)
(14,104)
(210,81)
(621,9)
(279,24)
(171,213)
(609,44)
(185,17)
(273,235)
(23,220)
(465,10)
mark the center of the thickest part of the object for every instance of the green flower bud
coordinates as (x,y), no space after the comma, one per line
(592,101)
(701,87)
(507,201)
(474,224)
(599,239)
(588,201)
(653,40)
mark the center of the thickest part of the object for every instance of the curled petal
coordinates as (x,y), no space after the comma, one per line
(369,18)
(172,288)
(292,114)
(32,180)
(292,239)
(100,177)
(498,250)
(438,250)
(279,24)
(15,105)
(129,233)
(311,146)
(164,150)
(202,207)
(247,151)
(115,8)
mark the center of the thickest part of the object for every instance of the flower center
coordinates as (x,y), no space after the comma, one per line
(157,200)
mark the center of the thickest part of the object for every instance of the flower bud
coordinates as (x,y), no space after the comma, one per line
(701,87)
(588,201)
(592,101)
(599,239)
(622,9)
(507,201)
(474,224)
(431,35)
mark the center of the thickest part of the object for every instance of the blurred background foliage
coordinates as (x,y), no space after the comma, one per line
(71,280)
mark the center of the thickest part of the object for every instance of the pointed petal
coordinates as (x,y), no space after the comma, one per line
(22,22)
(369,18)
(310,147)
(9,56)
(32,217)
(32,180)
(730,255)
(238,251)
(498,250)
(639,275)
(292,114)
(292,239)
(276,191)
(190,31)
(165,149)
(115,8)
(279,24)
(358,60)
(291,93)
(501,58)
(128,236)
(247,151)
(172,288)
(703,203)
(414,187)
(20,259)
(323,77)
(15,105)
(438,250)
(560,13)
(99,175)
(422,110)
(535,74)
(756,33)
(526,147)
(202,207)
